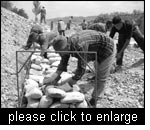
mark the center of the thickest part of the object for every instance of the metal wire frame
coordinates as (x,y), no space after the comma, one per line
(91,52)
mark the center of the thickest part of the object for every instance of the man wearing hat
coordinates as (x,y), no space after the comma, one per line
(43,39)
(126,30)
(61,27)
(86,40)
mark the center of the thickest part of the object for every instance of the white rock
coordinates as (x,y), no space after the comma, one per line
(33,57)
(72,106)
(36,67)
(55,92)
(45,102)
(37,46)
(55,64)
(31,82)
(49,71)
(65,77)
(38,60)
(46,86)
(52,55)
(45,61)
(76,88)
(35,93)
(44,66)
(73,97)
(32,103)
(82,104)
(29,87)
(37,78)
(59,105)
(35,72)
(37,53)
(53,59)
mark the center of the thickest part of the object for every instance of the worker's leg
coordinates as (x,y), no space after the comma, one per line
(120,45)
(63,32)
(103,71)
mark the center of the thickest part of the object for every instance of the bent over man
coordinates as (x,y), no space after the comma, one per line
(43,39)
(126,30)
(86,40)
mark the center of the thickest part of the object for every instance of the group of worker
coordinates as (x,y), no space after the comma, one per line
(91,39)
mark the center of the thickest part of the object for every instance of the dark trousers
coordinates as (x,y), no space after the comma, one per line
(68,26)
(43,18)
(138,37)
(51,27)
(62,32)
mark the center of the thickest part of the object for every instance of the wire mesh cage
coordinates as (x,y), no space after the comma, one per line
(22,101)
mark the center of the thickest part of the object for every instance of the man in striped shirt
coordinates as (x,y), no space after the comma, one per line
(85,41)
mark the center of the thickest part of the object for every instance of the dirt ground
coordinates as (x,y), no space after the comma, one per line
(124,89)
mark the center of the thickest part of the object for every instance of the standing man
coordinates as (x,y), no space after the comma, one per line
(69,23)
(126,30)
(84,25)
(43,15)
(52,24)
(86,40)
(61,27)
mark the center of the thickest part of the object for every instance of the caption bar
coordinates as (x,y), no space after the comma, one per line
(92,116)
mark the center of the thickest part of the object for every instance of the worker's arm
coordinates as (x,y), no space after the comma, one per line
(125,45)
(81,67)
(54,78)
(63,63)
(112,32)
(128,37)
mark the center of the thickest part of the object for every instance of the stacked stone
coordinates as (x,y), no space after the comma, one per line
(51,96)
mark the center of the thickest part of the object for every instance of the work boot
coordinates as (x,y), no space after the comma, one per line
(26,47)
(118,68)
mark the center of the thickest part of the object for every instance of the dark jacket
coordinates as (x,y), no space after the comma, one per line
(126,30)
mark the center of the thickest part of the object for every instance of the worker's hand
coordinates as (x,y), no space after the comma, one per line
(72,81)
(51,79)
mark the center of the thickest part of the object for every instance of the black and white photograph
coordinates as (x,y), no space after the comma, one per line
(72,54)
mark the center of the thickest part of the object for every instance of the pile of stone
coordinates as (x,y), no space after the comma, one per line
(50,96)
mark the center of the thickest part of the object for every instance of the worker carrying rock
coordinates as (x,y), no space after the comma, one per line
(44,39)
(86,40)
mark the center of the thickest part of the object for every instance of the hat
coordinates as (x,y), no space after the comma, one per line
(59,43)
(116,20)
(33,37)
